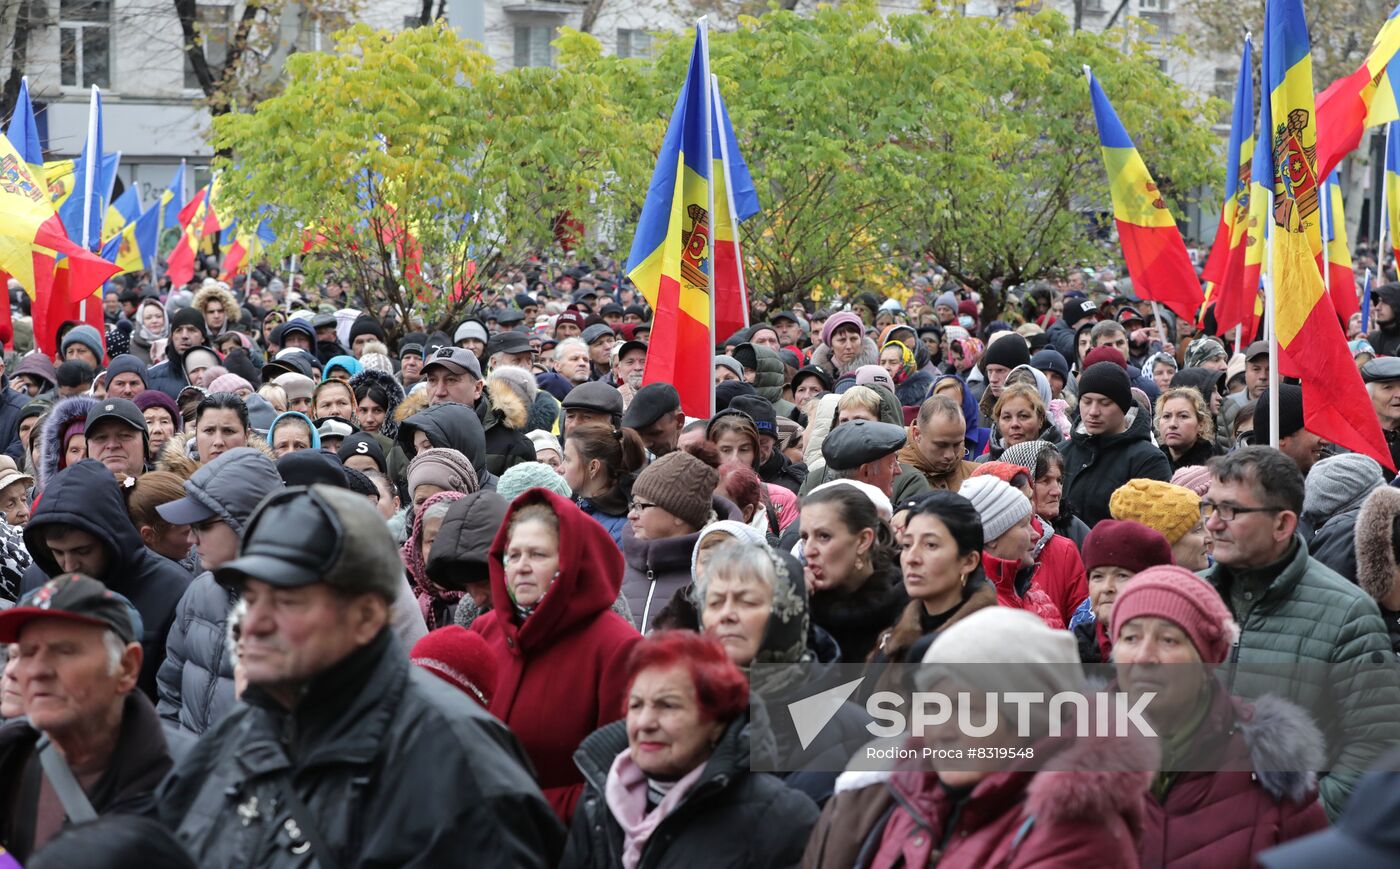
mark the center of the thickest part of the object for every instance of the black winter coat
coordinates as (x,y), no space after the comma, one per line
(1334,542)
(396,767)
(140,759)
(452,425)
(782,471)
(732,817)
(1201,451)
(11,403)
(85,496)
(1096,465)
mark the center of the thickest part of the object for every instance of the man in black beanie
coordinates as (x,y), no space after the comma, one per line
(1294,441)
(1111,445)
(1001,356)
(1062,331)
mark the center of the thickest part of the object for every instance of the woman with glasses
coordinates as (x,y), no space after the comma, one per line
(560,652)
(672,499)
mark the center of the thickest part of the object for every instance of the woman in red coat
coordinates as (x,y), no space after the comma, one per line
(1235,778)
(560,649)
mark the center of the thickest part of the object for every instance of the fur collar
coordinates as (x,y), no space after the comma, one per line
(869,355)
(1375,545)
(1093,779)
(897,641)
(64,413)
(1285,747)
(177,456)
(506,402)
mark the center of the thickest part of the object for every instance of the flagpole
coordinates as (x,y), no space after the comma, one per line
(1366,306)
(1386,228)
(704,27)
(1271,321)
(733,212)
(1239,336)
(89,146)
(1325,203)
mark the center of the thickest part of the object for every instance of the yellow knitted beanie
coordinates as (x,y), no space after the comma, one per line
(1169,509)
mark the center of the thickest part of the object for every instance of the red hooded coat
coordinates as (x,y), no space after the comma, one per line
(559,675)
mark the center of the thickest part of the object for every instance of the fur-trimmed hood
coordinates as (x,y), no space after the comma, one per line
(869,355)
(508,404)
(209,293)
(63,413)
(1285,747)
(1375,542)
(178,455)
(391,387)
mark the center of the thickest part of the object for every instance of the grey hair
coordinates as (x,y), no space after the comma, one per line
(736,558)
(563,347)
(436,511)
(115,649)
(518,379)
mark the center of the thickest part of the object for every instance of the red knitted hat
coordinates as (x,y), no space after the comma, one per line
(460,658)
(1126,544)
(1004,471)
(1184,599)
(1105,354)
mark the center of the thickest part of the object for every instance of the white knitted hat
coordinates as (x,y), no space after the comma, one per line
(999,505)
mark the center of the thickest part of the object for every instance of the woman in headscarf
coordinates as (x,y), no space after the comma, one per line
(438,604)
(151,326)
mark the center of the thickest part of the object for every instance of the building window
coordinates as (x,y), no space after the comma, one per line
(633,43)
(85,43)
(213,27)
(532,46)
(1152,5)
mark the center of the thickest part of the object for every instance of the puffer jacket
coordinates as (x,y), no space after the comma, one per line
(1081,813)
(1016,588)
(1096,465)
(504,420)
(571,630)
(770,376)
(657,569)
(1059,569)
(729,817)
(85,496)
(609,509)
(350,749)
(1329,633)
(195,681)
(1331,512)
(169,376)
(1248,802)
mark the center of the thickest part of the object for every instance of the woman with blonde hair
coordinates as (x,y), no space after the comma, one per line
(1185,427)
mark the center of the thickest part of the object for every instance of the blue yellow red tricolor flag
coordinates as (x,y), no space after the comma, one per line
(1152,247)
(133,249)
(1392,181)
(1236,302)
(1340,277)
(1366,98)
(736,200)
(23,133)
(672,260)
(1310,338)
(179,266)
(242,246)
(123,210)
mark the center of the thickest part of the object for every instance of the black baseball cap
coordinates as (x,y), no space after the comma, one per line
(116,408)
(76,598)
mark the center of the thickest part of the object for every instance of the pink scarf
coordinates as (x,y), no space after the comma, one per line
(626,795)
(411,552)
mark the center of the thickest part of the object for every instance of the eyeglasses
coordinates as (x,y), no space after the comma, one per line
(1228,512)
(638,506)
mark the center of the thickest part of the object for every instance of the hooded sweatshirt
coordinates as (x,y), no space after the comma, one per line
(451,425)
(85,496)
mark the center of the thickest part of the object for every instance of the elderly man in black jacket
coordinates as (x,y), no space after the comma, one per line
(342,755)
(90,744)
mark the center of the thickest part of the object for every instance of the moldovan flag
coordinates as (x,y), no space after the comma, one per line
(735,201)
(179,266)
(31,235)
(1366,98)
(122,211)
(1341,277)
(172,200)
(671,261)
(1335,404)
(134,248)
(241,246)
(23,133)
(1152,247)
(1392,182)
(1236,300)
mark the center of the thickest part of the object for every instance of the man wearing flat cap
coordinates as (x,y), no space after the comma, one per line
(655,414)
(1382,378)
(316,767)
(592,402)
(869,452)
(89,744)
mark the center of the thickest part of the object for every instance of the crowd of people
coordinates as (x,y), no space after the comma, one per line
(286,582)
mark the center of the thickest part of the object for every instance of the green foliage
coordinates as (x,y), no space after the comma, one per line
(871,140)
(418,131)
(962,138)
